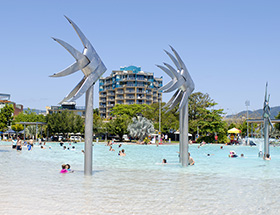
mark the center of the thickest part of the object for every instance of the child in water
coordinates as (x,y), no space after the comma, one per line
(63,170)
(68,167)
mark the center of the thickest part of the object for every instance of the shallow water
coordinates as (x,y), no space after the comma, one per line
(30,182)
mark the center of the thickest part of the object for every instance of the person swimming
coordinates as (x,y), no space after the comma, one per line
(232,154)
(63,170)
(267,157)
(68,167)
(29,147)
(122,153)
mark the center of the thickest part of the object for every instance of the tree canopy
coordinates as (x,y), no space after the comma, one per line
(6,116)
(64,122)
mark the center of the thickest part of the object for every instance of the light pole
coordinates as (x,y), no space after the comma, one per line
(159,119)
(247,103)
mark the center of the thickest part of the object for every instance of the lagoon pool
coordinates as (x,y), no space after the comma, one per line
(30,182)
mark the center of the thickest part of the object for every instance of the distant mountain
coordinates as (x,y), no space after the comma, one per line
(257,113)
(36,111)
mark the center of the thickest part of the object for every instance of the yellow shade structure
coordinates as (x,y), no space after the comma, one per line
(234,131)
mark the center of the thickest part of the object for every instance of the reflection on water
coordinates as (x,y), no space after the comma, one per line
(30,182)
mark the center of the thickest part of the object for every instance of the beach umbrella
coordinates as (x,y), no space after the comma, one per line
(10,131)
(234,131)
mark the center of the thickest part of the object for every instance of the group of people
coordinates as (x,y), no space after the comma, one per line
(190,162)
(120,153)
(18,143)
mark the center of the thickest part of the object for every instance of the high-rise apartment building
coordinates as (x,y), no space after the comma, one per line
(129,85)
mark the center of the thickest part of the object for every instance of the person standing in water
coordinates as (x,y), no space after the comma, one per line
(191,161)
(19,148)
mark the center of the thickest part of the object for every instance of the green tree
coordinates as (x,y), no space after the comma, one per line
(64,122)
(243,128)
(232,125)
(17,127)
(169,120)
(6,115)
(29,116)
(118,125)
(98,125)
(199,103)
(277,125)
(129,110)
(211,124)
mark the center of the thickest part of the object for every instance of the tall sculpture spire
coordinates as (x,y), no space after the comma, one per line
(267,121)
(88,61)
(92,67)
(182,82)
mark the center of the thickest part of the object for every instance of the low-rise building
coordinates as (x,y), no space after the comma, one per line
(70,106)
(5,99)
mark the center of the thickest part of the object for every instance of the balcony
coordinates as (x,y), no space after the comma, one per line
(129,97)
(107,83)
(120,92)
(102,95)
(141,85)
(130,85)
(129,103)
(130,91)
(120,98)
(141,97)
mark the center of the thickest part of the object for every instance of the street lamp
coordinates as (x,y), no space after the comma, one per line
(247,103)
(159,119)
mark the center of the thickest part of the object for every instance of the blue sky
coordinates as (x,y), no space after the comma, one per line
(231,47)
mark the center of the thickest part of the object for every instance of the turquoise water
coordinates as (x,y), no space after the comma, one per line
(138,183)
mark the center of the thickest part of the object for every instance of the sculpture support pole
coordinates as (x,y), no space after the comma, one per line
(185,136)
(266,135)
(181,135)
(88,132)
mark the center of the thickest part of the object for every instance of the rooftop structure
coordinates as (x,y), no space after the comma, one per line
(129,85)
(5,96)
(70,106)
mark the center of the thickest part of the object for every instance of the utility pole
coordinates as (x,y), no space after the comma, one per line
(247,103)
(159,119)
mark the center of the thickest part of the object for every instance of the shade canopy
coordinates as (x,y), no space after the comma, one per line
(234,131)
(178,132)
(10,131)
